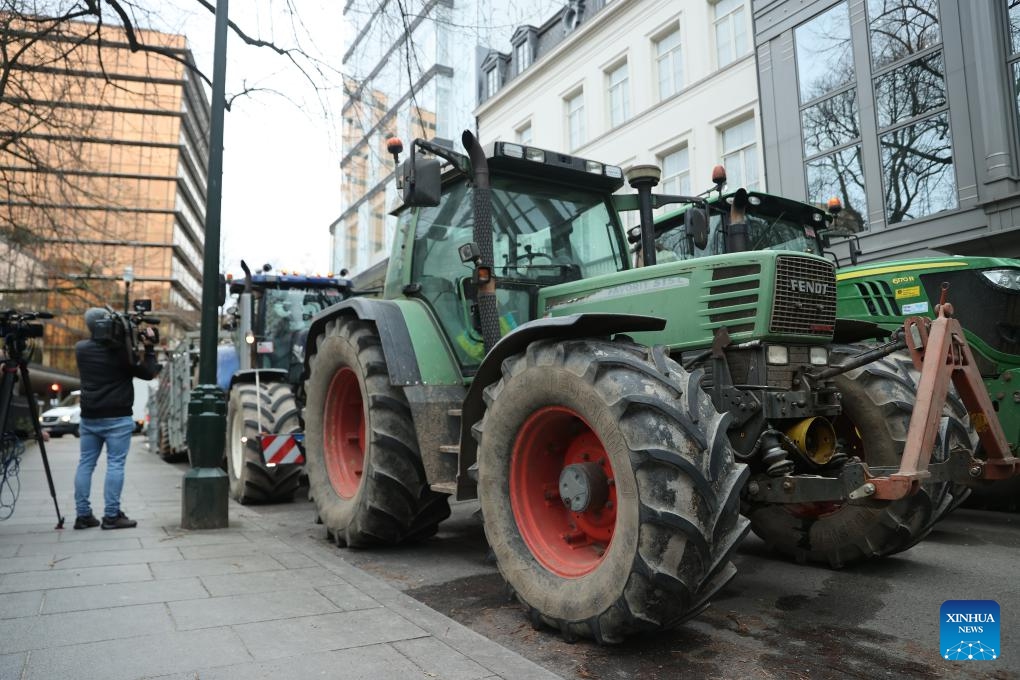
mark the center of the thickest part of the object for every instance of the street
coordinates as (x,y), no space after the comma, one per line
(774,620)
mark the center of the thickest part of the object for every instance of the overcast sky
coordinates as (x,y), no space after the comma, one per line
(281,163)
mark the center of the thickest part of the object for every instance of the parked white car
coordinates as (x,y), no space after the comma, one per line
(63,418)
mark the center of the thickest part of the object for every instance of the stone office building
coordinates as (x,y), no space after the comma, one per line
(907,110)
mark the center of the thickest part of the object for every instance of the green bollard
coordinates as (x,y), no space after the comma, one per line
(205,489)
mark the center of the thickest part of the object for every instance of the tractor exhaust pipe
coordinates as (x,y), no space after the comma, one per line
(488,310)
(643,178)
(737,240)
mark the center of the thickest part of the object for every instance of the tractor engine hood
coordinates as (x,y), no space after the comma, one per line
(780,296)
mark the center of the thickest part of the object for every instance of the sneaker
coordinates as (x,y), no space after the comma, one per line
(121,521)
(86,521)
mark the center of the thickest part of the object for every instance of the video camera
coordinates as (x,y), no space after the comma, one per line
(16,329)
(119,329)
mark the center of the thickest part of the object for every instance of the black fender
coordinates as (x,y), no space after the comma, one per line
(387,317)
(266,375)
(516,341)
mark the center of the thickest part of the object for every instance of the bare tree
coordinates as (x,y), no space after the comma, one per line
(64,202)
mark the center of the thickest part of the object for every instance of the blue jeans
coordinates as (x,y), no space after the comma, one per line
(116,434)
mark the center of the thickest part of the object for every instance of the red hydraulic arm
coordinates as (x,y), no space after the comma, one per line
(940,351)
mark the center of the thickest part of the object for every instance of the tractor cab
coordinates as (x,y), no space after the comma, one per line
(552,222)
(274,312)
(773,223)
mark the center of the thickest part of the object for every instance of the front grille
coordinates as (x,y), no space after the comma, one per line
(49,419)
(725,282)
(805,302)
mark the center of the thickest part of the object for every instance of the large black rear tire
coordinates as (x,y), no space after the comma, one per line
(878,400)
(654,544)
(272,406)
(364,467)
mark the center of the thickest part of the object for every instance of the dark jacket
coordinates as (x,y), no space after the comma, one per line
(106,373)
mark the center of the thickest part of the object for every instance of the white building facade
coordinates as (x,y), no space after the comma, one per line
(626,82)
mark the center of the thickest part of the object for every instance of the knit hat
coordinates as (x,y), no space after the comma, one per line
(92,317)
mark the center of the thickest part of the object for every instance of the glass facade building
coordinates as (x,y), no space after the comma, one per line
(411,71)
(104,169)
(906,110)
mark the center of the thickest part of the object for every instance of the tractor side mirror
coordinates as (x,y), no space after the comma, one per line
(696,225)
(421,181)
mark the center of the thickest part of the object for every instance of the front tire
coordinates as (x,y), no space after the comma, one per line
(661,514)
(878,400)
(364,468)
(272,406)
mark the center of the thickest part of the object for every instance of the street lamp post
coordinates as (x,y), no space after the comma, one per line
(204,490)
(129,276)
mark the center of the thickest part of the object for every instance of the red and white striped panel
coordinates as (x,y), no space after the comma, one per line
(280,449)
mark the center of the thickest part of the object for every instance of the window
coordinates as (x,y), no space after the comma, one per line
(912,109)
(522,56)
(830,120)
(740,155)
(730,31)
(676,172)
(575,119)
(524,134)
(492,81)
(619,99)
(542,236)
(1014,49)
(669,63)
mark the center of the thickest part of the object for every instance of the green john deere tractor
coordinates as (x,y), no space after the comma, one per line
(622,427)
(985,292)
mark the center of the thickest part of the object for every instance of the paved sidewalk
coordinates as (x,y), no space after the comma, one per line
(251,601)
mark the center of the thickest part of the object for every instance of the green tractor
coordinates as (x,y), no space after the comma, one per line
(985,290)
(622,427)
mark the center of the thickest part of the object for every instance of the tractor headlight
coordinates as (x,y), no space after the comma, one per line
(777,354)
(513,150)
(818,356)
(1004,278)
(536,155)
(593,167)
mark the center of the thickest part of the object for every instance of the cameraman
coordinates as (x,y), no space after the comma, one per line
(107,395)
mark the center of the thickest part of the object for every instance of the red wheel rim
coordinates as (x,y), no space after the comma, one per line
(567,543)
(344,433)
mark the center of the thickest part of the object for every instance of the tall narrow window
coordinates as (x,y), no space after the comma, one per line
(1013,7)
(524,134)
(912,108)
(740,155)
(669,64)
(575,119)
(676,172)
(829,117)
(619,97)
(522,56)
(730,31)
(492,81)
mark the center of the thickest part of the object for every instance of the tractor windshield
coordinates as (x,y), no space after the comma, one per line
(543,234)
(288,314)
(770,227)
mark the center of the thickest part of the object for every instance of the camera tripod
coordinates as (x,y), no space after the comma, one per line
(16,328)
